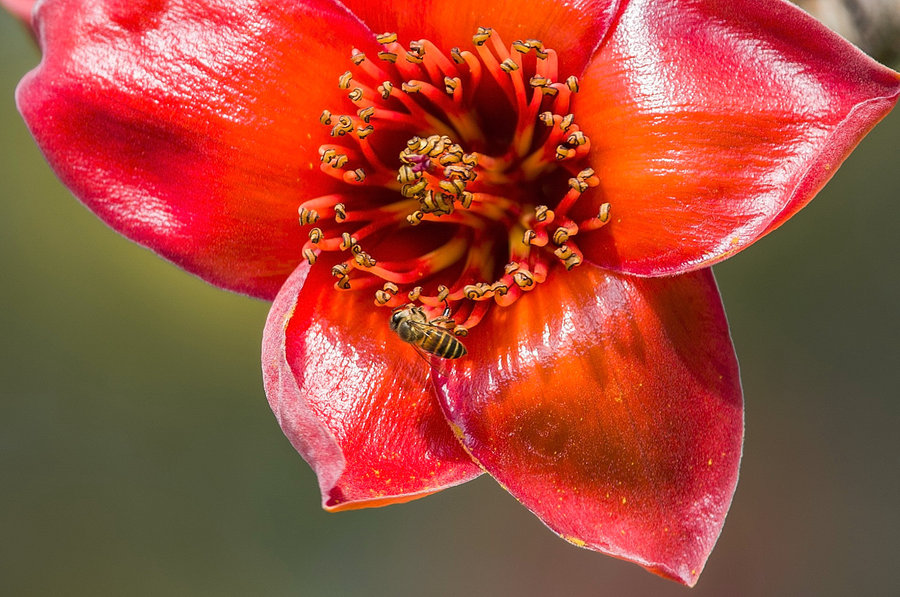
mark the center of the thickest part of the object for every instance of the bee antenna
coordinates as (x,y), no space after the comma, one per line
(446,308)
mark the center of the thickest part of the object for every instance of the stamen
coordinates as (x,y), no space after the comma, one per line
(492,183)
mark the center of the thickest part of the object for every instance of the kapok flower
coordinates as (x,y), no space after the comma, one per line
(499,172)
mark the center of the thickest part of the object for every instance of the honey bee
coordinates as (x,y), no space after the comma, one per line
(413,326)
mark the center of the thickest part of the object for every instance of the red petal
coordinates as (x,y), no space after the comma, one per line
(713,122)
(353,399)
(610,406)
(192,127)
(572,28)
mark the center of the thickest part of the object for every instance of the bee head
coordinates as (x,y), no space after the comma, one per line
(397,317)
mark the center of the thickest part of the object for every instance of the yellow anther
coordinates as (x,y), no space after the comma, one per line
(453,187)
(355,95)
(363,259)
(366,113)
(343,126)
(415,218)
(386,38)
(340,212)
(388,56)
(449,159)
(499,288)
(603,216)
(549,91)
(578,184)
(510,268)
(359,174)
(560,236)
(391,288)
(385,89)
(381,297)
(576,138)
(415,53)
(325,117)
(563,152)
(451,84)
(483,34)
(509,65)
(434,145)
(411,190)
(308,216)
(413,144)
(413,295)
(357,57)
(586,173)
(411,86)
(406,174)
(457,56)
(466,199)
(528,236)
(340,270)
(343,283)
(546,118)
(443,293)
(538,47)
(347,241)
(539,81)
(521,47)
(543,213)
(572,83)
(473,292)
(315,235)
(569,258)
(524,279)
(364,131)
(309,255)
(344,80)
(567,121)
(461,331)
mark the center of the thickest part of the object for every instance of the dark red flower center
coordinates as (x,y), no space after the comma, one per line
(461,175)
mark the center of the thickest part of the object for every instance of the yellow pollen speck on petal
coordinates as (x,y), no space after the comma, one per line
(574,540)
(624,500)
(457,431)
(709,462)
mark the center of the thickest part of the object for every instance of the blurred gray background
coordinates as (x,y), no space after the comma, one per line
(138,455)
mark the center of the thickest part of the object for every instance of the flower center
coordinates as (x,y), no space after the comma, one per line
(461,173)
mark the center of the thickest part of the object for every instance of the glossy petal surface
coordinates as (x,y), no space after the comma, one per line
(355,401)
(573,28)
(713,122)
(192,127)
(610,406)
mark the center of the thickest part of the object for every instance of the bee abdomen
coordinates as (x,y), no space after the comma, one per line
(443,344)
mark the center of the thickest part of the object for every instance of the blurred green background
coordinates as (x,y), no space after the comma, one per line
(138,455)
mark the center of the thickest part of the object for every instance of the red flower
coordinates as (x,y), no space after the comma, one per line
(535,181)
